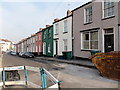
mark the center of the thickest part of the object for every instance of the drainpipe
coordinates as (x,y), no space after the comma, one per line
(118,37)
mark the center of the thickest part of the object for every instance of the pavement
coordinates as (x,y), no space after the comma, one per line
(80,62)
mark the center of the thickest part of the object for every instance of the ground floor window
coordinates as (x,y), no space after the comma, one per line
(65,44)
(39,48)
(49,47)
(89,40)
(36,48)
(44,48)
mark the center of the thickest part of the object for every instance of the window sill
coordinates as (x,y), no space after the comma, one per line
(87,23)
(108,17)
(89,50)
(65,32)
(56,34)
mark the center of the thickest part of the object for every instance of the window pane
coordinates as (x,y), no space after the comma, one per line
(88,12)
(109,30)
(65,26)
(56,30)
(108,8)
(86,44)
(94,45)
(86,36)
(94,35)
(65,44)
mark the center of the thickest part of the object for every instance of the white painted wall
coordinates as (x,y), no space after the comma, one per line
(5,46)
(62,36)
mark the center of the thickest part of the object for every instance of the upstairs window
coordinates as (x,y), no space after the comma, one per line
(39,37)
(56,28)
(88,15)
(108,8)
(65,26)
(44,36)
(49,33)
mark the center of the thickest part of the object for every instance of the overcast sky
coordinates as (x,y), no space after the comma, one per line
(21,18)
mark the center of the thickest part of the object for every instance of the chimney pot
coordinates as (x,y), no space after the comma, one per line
(41,29)
(47,26)
(69,12)
(56,19)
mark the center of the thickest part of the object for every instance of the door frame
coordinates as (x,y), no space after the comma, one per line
(103,35)
(56,48)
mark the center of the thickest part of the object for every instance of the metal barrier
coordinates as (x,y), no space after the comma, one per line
(42,71)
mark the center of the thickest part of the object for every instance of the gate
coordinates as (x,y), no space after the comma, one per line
(12,76)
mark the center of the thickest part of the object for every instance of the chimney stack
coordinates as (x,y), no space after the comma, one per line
(56,19)
(69,12)
(41,29)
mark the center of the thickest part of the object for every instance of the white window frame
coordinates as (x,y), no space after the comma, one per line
(49,33)
(39,48)
(65,26)
(103,13)
(85,19)
(65,45)
(39,36)
(49,51)
(44,36)
(89,40)
(56,28)
(36,48)
(44,47)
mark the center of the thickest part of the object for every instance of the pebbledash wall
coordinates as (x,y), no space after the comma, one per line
(62,35)
(96,30)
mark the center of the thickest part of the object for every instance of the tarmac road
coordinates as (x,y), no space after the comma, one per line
(71,76)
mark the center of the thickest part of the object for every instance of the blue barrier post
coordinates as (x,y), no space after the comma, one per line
(26,75)
(43,78)
(3,77)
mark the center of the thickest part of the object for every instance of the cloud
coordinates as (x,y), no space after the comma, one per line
(23,20)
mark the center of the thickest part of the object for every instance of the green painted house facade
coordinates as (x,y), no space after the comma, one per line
(47,41)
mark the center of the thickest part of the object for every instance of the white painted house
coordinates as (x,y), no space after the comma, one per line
(62,34)
(6,45)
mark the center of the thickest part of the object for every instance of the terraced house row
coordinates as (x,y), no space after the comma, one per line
(94,26)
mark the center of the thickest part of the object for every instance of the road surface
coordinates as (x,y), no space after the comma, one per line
(71,76)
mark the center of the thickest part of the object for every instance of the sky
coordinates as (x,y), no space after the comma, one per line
(21,18)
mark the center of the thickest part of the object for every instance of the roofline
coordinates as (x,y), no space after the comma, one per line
(82,5)
(62,19)
(47,27)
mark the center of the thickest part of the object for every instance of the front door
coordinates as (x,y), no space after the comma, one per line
(109,43)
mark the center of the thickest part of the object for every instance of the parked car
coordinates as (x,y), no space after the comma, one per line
(13,53)
(20,54)
(27,55)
